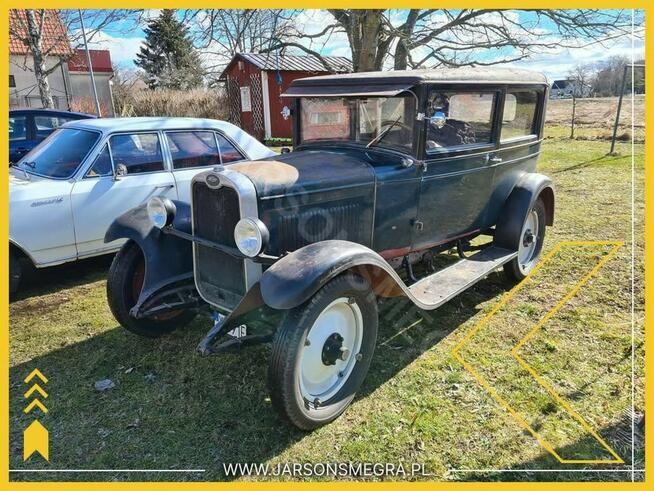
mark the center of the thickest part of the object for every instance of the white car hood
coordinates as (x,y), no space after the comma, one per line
(32,189)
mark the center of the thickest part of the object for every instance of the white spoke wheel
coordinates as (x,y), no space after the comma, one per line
(322,352)
(530,243)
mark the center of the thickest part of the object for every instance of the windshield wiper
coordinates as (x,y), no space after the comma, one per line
(380,136)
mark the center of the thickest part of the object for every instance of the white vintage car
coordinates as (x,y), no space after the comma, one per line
(65,193)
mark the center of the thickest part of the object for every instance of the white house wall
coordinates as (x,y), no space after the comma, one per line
(26,92)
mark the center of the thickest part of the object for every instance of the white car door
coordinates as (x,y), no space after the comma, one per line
(99,197)
(193,151)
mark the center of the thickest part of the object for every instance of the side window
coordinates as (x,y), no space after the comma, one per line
(227,151)
(519,113)
(140,152)
(102,164)
(46,125)
(17,128)
(459,118)
(193,149)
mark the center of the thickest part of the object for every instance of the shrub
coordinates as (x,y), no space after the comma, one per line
(86,105)
(198,103)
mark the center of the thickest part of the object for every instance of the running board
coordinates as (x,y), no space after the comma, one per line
(435,290)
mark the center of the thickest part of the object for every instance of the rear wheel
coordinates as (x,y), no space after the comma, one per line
(124,285)
(322,352)
(15,272)
(530,246)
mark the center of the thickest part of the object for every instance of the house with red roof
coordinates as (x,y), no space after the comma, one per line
(70,82)
(80,77)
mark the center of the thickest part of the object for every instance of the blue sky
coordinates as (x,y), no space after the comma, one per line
(125,39)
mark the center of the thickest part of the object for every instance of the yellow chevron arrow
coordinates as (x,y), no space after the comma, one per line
(33,404)
(36,373)
(37,388)
(35,439)
(514,352)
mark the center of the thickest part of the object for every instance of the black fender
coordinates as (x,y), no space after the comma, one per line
(296,277)
(168,259)
(524,194)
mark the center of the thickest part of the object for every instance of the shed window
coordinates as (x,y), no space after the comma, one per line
(246,102)
(519,114)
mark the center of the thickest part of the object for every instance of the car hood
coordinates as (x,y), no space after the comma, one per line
(34,190)
(306,171)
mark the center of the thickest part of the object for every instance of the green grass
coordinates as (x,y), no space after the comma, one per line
(173,409)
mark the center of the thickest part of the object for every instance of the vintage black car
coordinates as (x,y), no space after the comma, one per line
(388,170)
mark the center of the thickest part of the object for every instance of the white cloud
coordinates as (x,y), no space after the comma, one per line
(123,49)
(557,65)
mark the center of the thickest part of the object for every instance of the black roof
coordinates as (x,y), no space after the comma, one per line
(561,84)
(292,63)
(393,82)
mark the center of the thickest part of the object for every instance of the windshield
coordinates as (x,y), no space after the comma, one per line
(60,154)
(360,120)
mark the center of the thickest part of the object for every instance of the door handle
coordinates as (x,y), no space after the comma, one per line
(493,160)
(164,186)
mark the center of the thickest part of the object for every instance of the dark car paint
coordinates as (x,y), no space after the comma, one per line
(409,202)
(295,278)
(18,149)
(169,258)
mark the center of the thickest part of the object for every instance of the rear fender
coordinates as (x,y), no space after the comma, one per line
(168,259)
(525,193)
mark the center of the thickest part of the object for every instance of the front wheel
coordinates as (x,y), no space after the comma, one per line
(322,351)
(15,272)
(124,285)
(530,245)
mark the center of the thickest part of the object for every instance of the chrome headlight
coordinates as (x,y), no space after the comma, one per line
(161,211)
(251,236)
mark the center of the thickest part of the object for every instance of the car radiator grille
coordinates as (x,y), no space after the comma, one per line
(220,277)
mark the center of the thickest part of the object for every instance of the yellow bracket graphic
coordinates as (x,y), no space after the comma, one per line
(514,352)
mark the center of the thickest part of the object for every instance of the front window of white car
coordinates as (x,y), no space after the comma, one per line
(61,154)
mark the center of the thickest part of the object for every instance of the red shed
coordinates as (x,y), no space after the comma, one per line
(255,83)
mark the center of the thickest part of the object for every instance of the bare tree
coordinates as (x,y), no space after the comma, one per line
(430,38)
(221,33)
(580,77)
(51,36)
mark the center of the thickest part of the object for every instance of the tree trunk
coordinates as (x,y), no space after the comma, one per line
(572,122)
(401,61)
(367,25)
(40,68)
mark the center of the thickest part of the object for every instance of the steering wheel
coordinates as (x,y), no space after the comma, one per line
(399,124)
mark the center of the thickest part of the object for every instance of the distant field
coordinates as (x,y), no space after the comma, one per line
(598,115)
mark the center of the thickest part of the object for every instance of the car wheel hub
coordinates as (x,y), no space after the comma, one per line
(326,360)
(527,252)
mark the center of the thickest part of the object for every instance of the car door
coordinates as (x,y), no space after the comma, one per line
(98,198)
(193,151)
(457,177)
(20,136)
